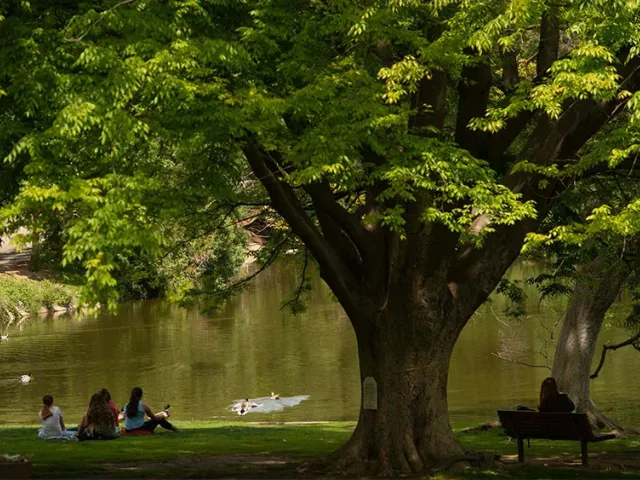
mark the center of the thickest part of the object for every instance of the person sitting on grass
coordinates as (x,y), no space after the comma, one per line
(112,406)
(135,411)
(551,400)
(52,422)
(97,423)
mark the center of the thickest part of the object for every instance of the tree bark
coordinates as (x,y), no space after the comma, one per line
(594,293)
(408,357)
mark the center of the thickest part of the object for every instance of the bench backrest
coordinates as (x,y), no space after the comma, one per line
(550,425)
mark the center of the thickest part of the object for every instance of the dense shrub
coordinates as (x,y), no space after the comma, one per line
(29,295)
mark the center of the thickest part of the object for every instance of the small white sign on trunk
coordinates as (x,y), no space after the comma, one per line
(369,394)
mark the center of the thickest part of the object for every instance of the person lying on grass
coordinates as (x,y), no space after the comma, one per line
(135,411)
(52,422)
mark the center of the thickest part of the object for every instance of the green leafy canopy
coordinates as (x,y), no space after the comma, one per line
(151,109)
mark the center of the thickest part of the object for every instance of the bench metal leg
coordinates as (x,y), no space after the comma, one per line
(520,450)
(585,455)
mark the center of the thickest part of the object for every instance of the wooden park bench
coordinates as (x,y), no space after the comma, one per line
(522,424)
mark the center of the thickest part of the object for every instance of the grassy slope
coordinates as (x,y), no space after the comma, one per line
(204,439)
(33,294)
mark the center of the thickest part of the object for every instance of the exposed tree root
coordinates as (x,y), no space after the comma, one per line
(352,460)
(470,459)
(481,428)
(413,457)
(347,460)
(602,421)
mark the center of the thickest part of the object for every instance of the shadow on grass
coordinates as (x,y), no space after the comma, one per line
(207,449)
(532,472)
(236,450)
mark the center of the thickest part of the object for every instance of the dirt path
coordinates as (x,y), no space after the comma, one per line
(598,461)
(244,467)
(214,462)
(11,259)
(220,467)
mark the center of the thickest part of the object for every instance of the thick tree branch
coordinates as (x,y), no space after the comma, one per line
(591,114)
(430,101)
(428,252)
(547,54)
(339,241)
(549,40)
(506,358)
(473,90)
(605,348)
(285,202)
(487,265)
(324,201)
(303,280)
(550,142)
(510,75)
(601,113)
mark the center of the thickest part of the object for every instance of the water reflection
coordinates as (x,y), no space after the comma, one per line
(197,362)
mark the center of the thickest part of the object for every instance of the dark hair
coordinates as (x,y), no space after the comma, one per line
(99,414)
(548,395)
(106,395)
(132,406)
(47,400)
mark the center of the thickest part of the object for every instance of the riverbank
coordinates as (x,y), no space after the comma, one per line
(21,297)
(244,450)
(24,293)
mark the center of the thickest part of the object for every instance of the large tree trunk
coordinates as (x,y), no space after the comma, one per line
(409,294)
(594,293)
(407,353)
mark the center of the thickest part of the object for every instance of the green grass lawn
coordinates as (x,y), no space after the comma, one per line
(215,449)
(197,439)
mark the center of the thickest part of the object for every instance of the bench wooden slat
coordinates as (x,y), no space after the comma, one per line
(522,424)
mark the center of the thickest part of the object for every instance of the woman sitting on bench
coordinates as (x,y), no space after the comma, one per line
(551,400)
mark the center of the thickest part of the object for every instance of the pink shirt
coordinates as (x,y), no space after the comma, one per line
(113,408)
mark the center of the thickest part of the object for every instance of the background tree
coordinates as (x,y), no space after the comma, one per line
(29,39)
(409,145)
(592,245)
(599,284)
(588,248)
(118,208)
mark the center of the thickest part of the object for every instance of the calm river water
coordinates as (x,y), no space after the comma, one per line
(201,363)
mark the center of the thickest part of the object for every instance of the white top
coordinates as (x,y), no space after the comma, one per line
(51,424)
